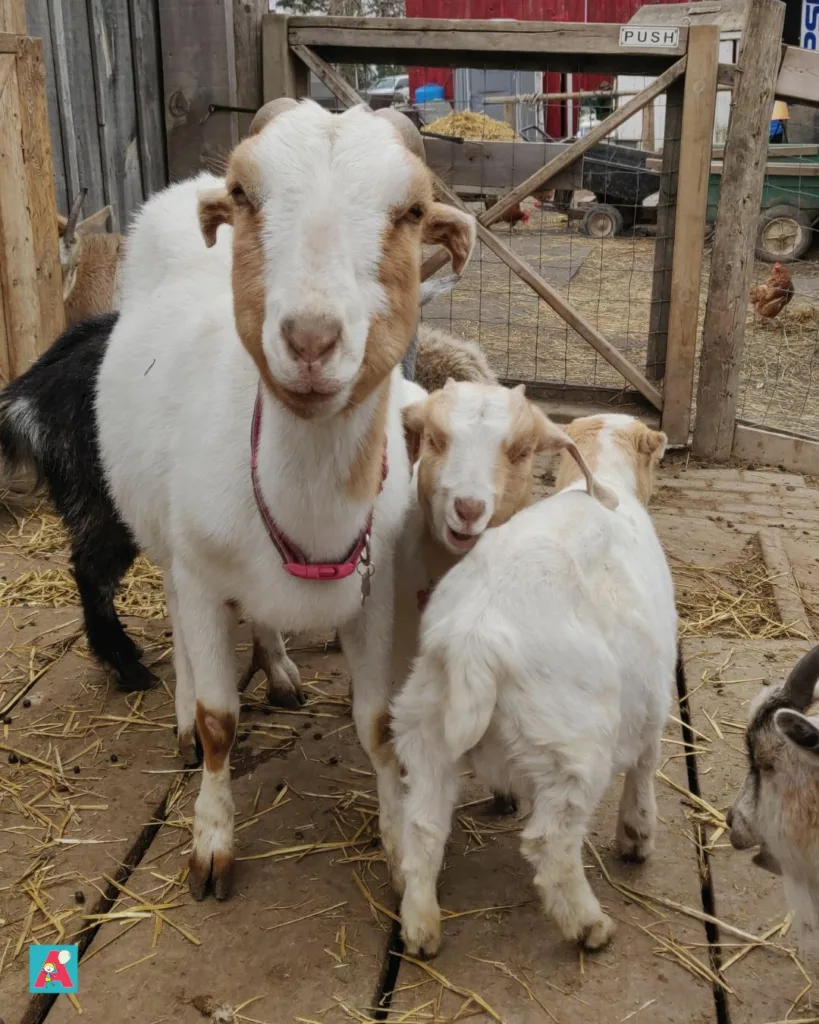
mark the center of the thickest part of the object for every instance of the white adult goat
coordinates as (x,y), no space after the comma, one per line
(251,436)
(548,654)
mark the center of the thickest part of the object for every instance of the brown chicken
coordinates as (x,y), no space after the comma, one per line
(770,298)
(515,215)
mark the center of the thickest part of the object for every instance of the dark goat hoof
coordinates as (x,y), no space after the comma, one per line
(135,676)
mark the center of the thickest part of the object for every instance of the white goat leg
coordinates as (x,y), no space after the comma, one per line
(637,816)
(185,692)
(430,800)
(283,679)
(367,646)
(552,842)
(207,628)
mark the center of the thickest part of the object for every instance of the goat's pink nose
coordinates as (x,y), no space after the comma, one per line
(470,510)
(311,336)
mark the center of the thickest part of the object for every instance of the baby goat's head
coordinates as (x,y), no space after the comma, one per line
(71,231)
(620,448)
(476,444)
(329,214)
(777,807)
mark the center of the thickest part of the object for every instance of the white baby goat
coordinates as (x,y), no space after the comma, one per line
(777,807)
(249,414)
(547,653)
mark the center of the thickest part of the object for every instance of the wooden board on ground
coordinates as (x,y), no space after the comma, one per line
(298,935)
(497,952)
(723,676)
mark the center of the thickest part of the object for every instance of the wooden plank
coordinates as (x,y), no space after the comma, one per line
(786,170)
(754,444)
(7,75)
(283,74)
(40,26)
(732,257)
(18,263)
(496,164)
(798,78)
(78,102)
(247,36)
(783,583)
(147,62)
(699,100)
(664,247)
(8,42)
(40,188)
(13,16)
(345,92)
(198,69)
(116,108)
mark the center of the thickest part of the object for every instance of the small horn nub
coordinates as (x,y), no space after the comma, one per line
(74,216)
(264,115)
(409,134)
(800,684)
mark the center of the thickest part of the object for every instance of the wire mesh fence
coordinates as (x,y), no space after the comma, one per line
(591,233)
(779,381)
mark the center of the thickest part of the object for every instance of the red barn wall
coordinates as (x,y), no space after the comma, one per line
(618,11)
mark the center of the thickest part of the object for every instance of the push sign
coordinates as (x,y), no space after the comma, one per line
(634,35)
(810,24)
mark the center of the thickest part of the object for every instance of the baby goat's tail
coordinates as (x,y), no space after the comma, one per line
(21,434)
(475,664)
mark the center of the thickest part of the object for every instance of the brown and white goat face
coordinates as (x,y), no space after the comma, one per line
(777,807)
(329,213)
(476,444)
(71,233)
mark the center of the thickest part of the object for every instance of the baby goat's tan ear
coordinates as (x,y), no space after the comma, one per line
(650,442)
(552,439)
(215,209)
(453,229)
(414,418)
(95,222)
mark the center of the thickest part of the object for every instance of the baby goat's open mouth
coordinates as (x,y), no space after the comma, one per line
(461,541)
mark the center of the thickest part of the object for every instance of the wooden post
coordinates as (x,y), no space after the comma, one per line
(732,260)
(647,129)
(31,300)
(664,246)
(699,101)
(283,74)
(13,17)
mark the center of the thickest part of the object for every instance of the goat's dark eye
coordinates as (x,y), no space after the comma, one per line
(238,194)
(415,213)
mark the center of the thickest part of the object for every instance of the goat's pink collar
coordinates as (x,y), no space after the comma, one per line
(294,560)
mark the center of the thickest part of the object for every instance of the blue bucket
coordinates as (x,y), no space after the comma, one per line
(429,93)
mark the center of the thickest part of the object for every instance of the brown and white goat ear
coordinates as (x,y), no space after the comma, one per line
(95,222)
(454,230)
(802,679)
(650,442)
(414,417)
(799,730)
(550,438)
(215,209)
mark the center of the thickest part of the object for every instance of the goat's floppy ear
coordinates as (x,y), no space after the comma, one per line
(414,418)
(550,438)
(765,859)
(215,209)
(95,222)
(801,731)
(446,226)
(651,442)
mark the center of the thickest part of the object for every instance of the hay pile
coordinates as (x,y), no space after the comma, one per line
(468,125)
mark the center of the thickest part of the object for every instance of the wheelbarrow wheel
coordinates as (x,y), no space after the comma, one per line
(602,221)
(783,234)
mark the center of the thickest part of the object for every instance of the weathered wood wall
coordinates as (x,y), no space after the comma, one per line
(103,77)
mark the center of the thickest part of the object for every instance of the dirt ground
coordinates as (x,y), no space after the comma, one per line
(609,281)
(96,811)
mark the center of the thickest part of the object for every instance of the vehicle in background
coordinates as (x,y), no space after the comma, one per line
(389,90)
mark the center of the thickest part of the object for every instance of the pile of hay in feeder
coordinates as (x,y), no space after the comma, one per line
(468,125)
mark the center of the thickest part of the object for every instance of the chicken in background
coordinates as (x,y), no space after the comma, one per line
(515,216)
(771,297)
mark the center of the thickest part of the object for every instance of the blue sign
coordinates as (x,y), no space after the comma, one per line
(810,24)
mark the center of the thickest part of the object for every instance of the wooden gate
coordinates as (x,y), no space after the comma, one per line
(685,61)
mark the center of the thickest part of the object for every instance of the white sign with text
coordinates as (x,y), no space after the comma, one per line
(635,35)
